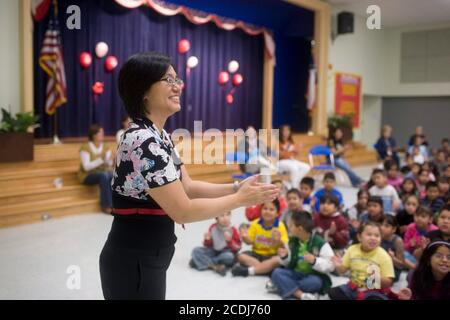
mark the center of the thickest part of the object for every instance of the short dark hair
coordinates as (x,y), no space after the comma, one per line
(445,140)
(294,190)
(329,176)
(303,219)
(308,181)
(93,130)
(391,220)
(446,207)
(366,224)
(444,180)
(388,164)
(431,184)
(136,77)
(424,210)
(276,203)
(376,199)
(378,171)
(329,198)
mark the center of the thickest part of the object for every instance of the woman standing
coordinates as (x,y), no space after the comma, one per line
(287,163)
(152,188)
(96,165)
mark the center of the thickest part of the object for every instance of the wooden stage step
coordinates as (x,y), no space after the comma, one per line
(27,190)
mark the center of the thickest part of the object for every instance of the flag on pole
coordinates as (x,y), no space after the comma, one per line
(52,62)
(39,9)
(311,90)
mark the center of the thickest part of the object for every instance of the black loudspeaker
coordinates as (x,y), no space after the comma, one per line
(345,22)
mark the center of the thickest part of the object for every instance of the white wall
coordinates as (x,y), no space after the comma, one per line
(375,56)
(9,56)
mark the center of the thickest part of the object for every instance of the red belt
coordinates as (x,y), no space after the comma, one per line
(144,211)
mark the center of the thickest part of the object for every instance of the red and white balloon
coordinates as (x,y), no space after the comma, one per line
(223,78)
(237,79)
(192,62)
(85,59)
(101,49)
(183,46)
(233,66)
(98,88)
(111,63)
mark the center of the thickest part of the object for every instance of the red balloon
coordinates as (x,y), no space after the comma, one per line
(98,87)
(183,46)
(85,59)
(111,63)
(237,79)
(224,77)
(229,98)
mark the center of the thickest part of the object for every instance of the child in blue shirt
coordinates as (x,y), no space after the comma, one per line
(329,183)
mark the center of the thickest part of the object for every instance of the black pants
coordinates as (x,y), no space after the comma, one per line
(134,274)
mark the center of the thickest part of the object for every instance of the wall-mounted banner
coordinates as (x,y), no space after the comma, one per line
(347,96)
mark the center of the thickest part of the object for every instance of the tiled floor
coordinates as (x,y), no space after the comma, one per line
(35,260)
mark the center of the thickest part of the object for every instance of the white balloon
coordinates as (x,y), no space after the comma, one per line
(101,49)
(192,62)
(233,66)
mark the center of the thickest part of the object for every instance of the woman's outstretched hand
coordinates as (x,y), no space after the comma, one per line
(252,192)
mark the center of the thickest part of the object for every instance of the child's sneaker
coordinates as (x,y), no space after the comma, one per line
(310,296)
(270,287)
(192,264)
(220,269)
(239,271)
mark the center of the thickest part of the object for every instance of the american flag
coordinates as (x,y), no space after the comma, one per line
(51,60)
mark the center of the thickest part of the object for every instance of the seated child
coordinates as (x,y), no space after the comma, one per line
(408,188)
(306,189)
(442,233)
(220,245)
(422,180)
(330,223)
(432,199)
(307,265)
(266,235)
(436,272)
(443,224)
(329,184)
(416,232)
(393,244)
(375,211)
(371,268)
(254,212)
(406,216)
(391,201)
(356,211)
(294,202)
(444,187)
(393,176)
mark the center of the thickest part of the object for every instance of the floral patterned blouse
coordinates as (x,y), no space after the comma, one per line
(145,159)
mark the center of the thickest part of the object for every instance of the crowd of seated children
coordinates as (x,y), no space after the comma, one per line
(400,223)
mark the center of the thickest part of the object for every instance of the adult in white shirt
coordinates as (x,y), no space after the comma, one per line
(96,165)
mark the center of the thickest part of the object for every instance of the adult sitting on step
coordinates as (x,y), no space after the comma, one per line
(96,165)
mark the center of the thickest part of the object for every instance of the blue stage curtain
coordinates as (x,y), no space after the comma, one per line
(130,31)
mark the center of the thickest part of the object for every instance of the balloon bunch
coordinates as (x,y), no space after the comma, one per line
(236,79)
(183,47)
(111,63)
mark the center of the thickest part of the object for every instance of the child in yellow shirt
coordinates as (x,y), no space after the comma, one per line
(268,238)
(371,267)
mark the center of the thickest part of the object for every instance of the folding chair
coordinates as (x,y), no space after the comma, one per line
(323,151)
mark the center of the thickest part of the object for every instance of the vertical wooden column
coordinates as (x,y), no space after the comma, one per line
(268,74)
(26,56)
